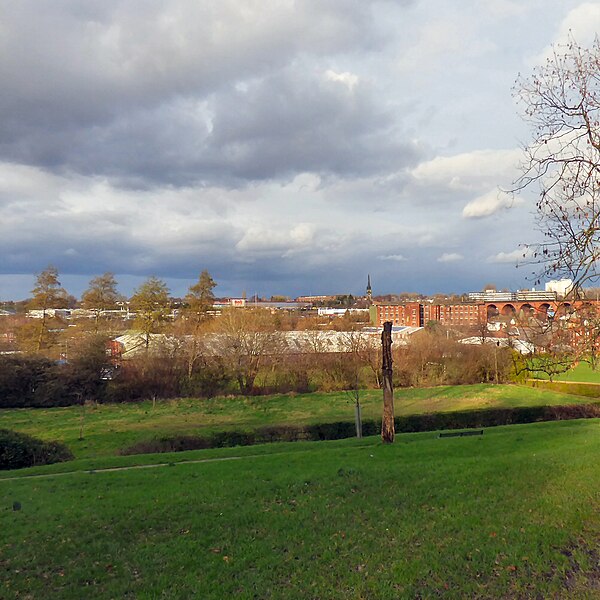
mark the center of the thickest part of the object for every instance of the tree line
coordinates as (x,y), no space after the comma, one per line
(195,353)
(243,351)
(250,360)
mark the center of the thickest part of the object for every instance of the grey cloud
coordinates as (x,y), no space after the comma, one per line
(83,249)
(138,50)
(86,226)
(79,81)
(275,127)
(291,123)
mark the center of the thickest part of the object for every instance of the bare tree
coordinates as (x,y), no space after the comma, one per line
(552,340)
(246,338)
(370,354)
(100,296)
(199,303)
(561,101)
(356,348)
(426,356)
(586,334)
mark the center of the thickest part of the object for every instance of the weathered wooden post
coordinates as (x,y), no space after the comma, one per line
(387,423)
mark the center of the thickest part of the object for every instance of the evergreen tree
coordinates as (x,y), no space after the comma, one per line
(47,293)
(101,295)
(200,298)
(151,303)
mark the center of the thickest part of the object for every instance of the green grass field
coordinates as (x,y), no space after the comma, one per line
(510,514)
(582,372)
(107,428)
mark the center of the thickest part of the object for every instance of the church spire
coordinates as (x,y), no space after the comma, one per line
(369,291)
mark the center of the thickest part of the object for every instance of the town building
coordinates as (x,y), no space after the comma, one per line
(325,311)
(519,296)
(561,287)
(521,306)
(417,314)
(312,299)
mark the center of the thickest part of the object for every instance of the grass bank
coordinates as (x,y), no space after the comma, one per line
(582,372)
(588,389)
(513,513)
(110,427)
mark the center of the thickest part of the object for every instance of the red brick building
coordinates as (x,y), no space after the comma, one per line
(417,314)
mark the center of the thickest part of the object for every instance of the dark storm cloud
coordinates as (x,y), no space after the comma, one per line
(130,89)
(100,56)
(292,123)
(92,244)
(275,127)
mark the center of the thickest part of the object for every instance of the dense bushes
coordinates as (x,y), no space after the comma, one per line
(431,359)
(170,372)
(18,450)
(36,382)
(346,429)
(492,417)
(40,382)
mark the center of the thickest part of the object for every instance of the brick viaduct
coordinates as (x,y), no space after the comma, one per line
(538,308)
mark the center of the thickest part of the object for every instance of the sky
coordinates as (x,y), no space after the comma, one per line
(288,147)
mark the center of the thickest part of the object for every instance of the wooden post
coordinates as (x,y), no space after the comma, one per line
(387,423)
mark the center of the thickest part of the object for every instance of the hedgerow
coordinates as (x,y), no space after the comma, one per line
(18,450)
(346,429)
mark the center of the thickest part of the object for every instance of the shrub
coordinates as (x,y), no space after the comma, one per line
(18,450)
(227,439)
(27,381)
(39,382)
(178,443)
(280,433)
(208,379)
(331,431)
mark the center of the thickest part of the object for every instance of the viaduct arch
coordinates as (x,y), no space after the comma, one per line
(536,309)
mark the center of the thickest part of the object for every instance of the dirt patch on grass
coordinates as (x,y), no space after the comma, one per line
(582,579)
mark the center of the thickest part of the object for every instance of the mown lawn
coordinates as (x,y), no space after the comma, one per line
(511,514)
(107,428)
(582,372)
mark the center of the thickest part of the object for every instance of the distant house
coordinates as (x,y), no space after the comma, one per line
(324,311)
(521,346)
(38,313)
(135,343)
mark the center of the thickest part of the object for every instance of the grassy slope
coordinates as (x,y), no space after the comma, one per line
(580,373)
(110,427)
(511,514)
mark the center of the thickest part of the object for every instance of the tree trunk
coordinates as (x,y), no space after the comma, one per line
(41,332)
(82,418)
(192,358)
(496,362)
(358,419)
(387,424)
